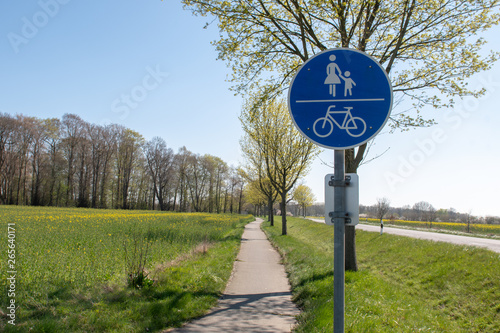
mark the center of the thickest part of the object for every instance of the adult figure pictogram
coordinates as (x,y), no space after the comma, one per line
(332,78)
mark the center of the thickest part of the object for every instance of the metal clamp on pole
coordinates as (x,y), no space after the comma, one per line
(343,215)
(338,214)
(339,183)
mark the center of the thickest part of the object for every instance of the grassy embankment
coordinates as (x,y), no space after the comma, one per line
(403,284)
(71,268)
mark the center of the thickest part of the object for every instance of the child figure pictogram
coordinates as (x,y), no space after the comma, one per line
(348,83)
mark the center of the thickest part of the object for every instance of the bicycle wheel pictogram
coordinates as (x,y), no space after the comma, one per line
(323,127)
(355,127)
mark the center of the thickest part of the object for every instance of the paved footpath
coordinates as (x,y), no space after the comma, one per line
(257,298)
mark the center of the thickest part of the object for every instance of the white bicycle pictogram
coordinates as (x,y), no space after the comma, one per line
(354,126)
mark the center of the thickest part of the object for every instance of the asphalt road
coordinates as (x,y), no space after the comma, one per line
(491,244)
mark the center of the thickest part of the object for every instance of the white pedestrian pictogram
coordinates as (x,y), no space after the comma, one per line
(332,78)
(334,74)
(354,126)
(348,83)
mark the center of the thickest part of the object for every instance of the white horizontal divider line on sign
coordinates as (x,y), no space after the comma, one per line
(342,100)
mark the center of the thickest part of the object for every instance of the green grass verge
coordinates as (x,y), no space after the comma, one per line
(474,229)
(403,284)
(72,276)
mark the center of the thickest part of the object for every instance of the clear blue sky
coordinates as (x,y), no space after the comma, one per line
(150,66)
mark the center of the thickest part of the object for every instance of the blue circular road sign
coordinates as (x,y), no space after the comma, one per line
(340,98)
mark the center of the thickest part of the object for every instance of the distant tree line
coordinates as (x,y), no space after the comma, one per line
(424,211)
(420,211)
(69,162)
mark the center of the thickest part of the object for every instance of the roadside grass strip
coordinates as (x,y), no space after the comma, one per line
(72,272)
(403,284)
(472,228)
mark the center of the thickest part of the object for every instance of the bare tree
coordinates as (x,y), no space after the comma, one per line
(55,160)
(198,176)
(84,166)
(24,139)
(418,210)
(109,149)
(181,165)
(383,206)
(71,131)
(38,160)
(424,211)
(235,180)
(129,147)
(431,215)
(221,171)
(160,166)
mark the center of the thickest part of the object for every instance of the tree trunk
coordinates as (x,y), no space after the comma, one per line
(240,202)
(352,162)
(351,263)
(270,207)
(283,214)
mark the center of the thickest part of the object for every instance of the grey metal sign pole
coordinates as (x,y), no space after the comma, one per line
(339,216)
(340,119)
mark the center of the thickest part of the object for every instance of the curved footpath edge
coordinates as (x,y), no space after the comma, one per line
(257,298)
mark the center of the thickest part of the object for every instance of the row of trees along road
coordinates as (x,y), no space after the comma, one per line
(429,49)
(301,202)
(276,153)
(71,162)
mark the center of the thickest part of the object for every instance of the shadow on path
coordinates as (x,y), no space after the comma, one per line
(257,297)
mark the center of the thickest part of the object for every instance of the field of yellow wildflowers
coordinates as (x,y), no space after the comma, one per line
(474,228)
(71,273)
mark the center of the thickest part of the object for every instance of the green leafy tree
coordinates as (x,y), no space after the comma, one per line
(256,172)
(429,49)
(304,197)
(254,196)
(286,154)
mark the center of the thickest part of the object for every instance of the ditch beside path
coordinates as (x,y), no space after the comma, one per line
(257,298)
(490,244)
